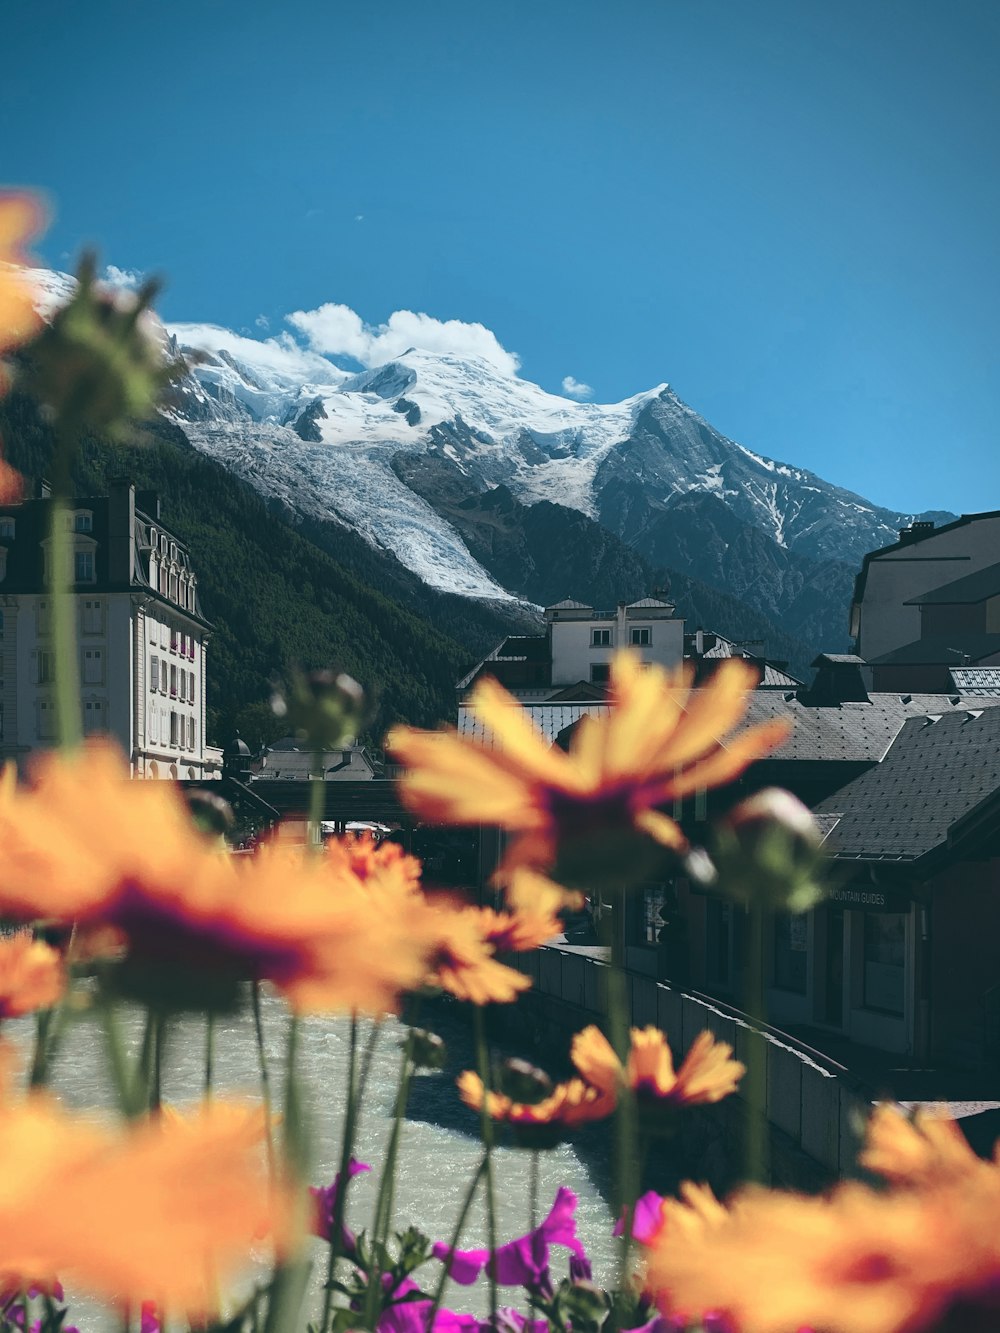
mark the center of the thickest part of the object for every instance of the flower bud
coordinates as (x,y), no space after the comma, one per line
(99,364)
(523,1082)
(212,814)
(768,852)
(326,708)
(427,1050)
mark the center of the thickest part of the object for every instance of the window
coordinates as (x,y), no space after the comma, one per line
(42,616)
(600,673)
(46,667)
(93,622)
(3,562)
(173,681)
(190,733)
(1,624)
(46,719)
(93,716)
(93,667)
(600,638)
(191,648)
(885,961)
(7,528)
(83,566)
(154,726)
(154,672)
(640,637)
(174,727)
(163,636)
(174,640)
(790,952)
(190,676)
(83,521)
(172,594)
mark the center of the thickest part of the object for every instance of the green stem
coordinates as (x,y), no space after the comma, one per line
(456,1237)
(131,1104)
(387,1184)
(51,1026)
(159,1044)
(265,1074)
(317,805)
(293,1139)
(209,1053)
(625,1184)
(63,620)
(486,1127)
(347,1143)
(754,1087)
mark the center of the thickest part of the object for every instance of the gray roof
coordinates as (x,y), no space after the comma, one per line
(549,719)
(850,732)
(652,601)
(938,771)
(838,659)
(976,681)
(975,587)
(568,604)
(942,649)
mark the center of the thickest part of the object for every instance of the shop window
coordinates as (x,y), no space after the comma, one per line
(885,961)
(790,952)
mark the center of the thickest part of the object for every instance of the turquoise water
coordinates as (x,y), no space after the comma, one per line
(440,1148)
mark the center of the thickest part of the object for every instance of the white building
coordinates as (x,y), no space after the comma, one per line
(291,759)
(141,634)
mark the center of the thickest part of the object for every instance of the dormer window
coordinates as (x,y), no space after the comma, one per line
(83,521)
(7,528)
(83,566)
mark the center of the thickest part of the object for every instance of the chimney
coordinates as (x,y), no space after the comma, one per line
(916,532)
(148,502)
(121,530)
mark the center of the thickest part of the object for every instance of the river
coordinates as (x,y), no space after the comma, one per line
(440,1145)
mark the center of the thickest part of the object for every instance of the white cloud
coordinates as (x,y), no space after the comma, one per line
(359,217)
(123,279)
(262,322)
(338,330)
(574,389)
(281,357)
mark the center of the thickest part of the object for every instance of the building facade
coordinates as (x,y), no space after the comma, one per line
(141,635)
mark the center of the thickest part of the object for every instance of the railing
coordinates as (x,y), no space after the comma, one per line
(815,1101)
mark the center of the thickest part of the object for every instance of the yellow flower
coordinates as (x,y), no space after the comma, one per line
(854,1262)
(920,1151)
(707,1074)
(462,961)
(567,1105)
(660,741)
(87,844)
(144,1214)
(31,975)
(21,216)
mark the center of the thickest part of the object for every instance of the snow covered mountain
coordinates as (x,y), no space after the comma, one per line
(365,449)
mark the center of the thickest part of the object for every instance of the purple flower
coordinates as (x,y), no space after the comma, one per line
(645,1218)
(326,1210)
(579,1268)
(411,1316)
(149,1321)
(523,1262)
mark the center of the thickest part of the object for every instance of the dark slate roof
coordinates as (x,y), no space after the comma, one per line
(850,732)
(937,772)
(847,732)
(976,681)
(970,588)
(942,649)
(838,659)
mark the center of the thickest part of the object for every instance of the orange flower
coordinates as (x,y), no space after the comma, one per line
(85,843)
(21,216)
(707,1074)
(31,975)
(660,742)
(915,1152)
(854,1262)
(567,1105)
(135,1215)
(462,959)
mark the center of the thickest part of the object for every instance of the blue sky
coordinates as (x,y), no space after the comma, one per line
(788,210)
